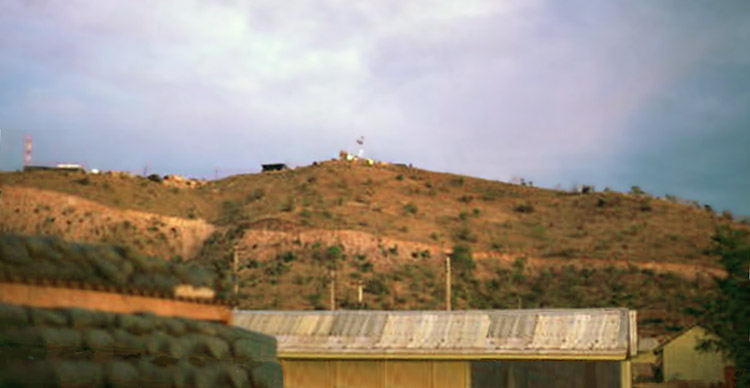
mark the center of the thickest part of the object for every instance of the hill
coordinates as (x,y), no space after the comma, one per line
(390,226)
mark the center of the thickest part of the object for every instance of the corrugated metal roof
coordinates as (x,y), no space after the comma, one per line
(548,333)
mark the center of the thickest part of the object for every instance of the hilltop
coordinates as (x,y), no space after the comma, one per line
(389,226)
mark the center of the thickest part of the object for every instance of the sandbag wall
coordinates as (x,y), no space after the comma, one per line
(48,258)
(83,348)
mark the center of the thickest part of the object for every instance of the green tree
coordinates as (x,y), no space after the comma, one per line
(729,315)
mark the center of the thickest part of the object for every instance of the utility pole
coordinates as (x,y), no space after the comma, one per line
(333,289)
(448,282)
(235,270)
(359,293)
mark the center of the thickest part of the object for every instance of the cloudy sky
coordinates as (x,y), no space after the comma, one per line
(609,93)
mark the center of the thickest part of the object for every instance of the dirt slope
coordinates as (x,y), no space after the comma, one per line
(33,211)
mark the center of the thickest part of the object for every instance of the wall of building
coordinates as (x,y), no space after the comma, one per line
(452,374)
(681,361)
(375,373)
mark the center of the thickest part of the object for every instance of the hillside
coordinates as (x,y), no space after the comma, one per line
(390,226)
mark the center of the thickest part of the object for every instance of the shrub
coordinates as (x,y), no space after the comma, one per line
(465,234)
(85,181)
(463,215)
(400,177)
(376,286)
(461,258)
(288,205)
(524,208)
(476,212)
(155,178)
(410,208)
(465,198)
(255,195)
(636,190)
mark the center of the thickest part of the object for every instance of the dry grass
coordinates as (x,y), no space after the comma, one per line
(440,208)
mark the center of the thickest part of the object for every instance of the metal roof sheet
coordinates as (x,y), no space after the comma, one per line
(552,333)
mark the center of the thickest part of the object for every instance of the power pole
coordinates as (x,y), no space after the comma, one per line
(333,289)
(359,293)
(235,270)
(448,282)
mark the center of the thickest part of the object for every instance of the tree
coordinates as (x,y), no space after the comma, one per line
(728,316)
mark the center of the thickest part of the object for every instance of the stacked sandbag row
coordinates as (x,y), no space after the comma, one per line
(85,348)
(50,258)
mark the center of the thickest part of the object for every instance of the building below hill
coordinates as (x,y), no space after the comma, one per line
(493,348)
(682,361)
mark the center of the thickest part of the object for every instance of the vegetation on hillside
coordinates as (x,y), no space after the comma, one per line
(469,215)
(418,205)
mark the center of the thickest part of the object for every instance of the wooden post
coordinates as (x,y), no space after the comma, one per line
(359,293)
(333,289)
(448,282)
(235,270)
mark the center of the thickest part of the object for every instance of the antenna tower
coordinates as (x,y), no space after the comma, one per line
(26,150)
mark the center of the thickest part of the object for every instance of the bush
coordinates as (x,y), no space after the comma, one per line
(465,198)
(524,208)
(465,234)
(376,286)
(636,190)
(461,258)
(410,208)
(155,178)
(255,195)
(289,205)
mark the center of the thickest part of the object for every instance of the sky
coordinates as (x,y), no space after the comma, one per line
(606,93)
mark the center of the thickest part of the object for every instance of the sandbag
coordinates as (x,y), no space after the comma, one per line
(78,374)
(267,375)
(211,347)
(13,250)
(13,316)
(20,374)
(183,375)
(120,374)
(234,376)
(99,341)
(85,319)
(174,326)
(127,344)
(157,343)
(48,318)
(153,376)
(260,348)
(135,324)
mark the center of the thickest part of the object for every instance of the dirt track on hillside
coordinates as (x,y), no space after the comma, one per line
(34,211)
(267,243)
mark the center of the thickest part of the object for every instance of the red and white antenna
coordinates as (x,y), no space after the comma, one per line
(26,150)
